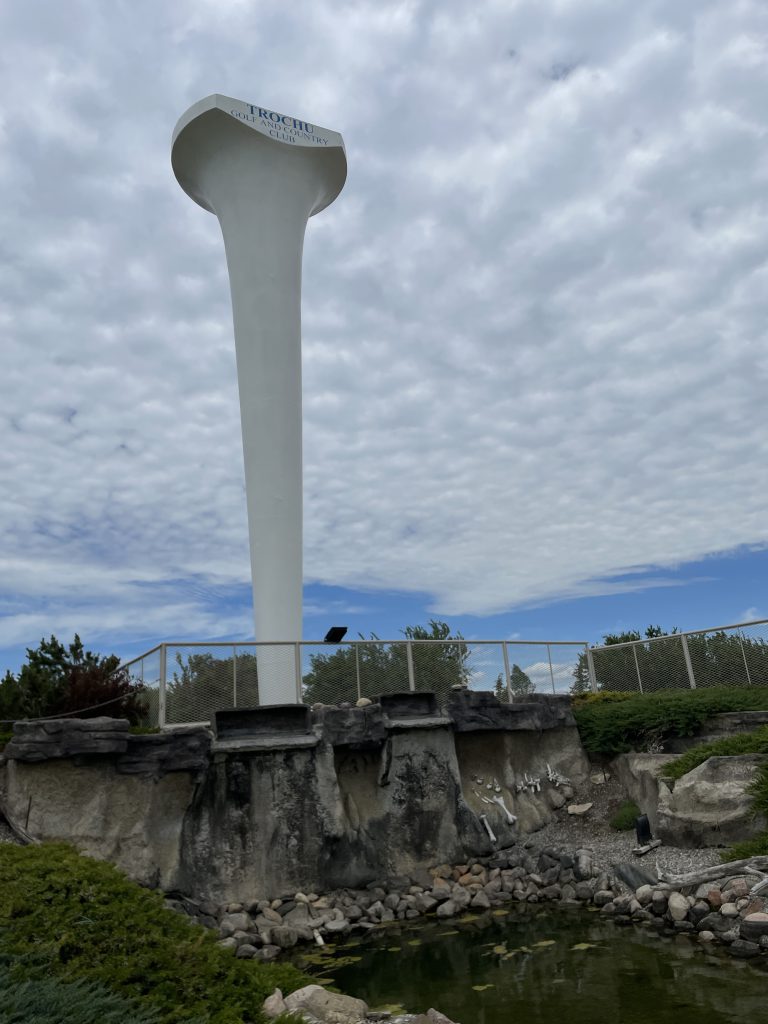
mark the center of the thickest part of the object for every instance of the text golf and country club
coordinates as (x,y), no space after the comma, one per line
(280,126)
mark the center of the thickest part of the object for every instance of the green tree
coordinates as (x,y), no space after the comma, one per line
(60,680)
(519,683)
(382,668)
(201,684)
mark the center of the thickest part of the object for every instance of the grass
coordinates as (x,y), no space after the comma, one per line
(614,727)
(730,746)
(65,917)
(624,818)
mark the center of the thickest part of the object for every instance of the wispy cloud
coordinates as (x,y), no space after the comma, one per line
(534,320)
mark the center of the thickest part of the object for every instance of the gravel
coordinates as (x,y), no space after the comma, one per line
(608,846)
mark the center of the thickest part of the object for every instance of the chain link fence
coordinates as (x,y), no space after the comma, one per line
(734,655)
(187,683)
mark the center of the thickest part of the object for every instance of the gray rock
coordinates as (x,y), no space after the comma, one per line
(335,927)
(274,1005)
(634,876)
(447,909)
(328,1007)
(480,901)
(267,953)
(424,903)
(228,943)
(711,805)
(583,867)
(659,901)
(602,897)
(677,906)
(754,927)
(67,737)
(232,923)
(246,952)
(714,923)
(644,894)
(285,937)
(743,949)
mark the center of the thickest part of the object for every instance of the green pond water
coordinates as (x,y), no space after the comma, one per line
(537,965)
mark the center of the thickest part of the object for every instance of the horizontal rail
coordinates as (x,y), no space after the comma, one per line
(685,632)
(353,643)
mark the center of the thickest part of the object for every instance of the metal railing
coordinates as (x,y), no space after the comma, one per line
(734,655)
(186,683)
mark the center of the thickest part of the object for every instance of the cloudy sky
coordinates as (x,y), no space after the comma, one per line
(535,363)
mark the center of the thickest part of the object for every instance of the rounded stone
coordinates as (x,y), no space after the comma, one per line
(677,906)
(754,927)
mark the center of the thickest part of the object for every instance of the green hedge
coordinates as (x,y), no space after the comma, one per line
(730,746)
(50,1001)
(609,728)
(68,917)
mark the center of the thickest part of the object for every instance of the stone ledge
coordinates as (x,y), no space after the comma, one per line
(67,737)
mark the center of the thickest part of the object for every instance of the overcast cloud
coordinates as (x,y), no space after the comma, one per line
(534,320)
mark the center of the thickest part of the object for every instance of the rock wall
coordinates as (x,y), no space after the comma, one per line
(276,800)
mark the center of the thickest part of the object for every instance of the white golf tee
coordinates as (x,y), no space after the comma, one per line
(264,174)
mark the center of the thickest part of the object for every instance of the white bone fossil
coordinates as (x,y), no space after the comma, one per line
(499,801)
(488,828)
(555,777)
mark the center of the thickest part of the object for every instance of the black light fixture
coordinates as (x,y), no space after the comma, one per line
(335,634)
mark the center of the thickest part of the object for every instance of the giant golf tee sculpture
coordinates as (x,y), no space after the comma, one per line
(264,174)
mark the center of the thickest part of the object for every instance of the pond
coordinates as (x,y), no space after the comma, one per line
(537,965)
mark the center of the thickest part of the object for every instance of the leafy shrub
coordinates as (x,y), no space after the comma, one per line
(59,680)
(757,847)
(730,746)
(80,918)
(616,727)
(50,1001)
(589,699)
(5,737)
(624,819)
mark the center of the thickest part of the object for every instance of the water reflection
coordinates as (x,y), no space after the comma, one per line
(547,966)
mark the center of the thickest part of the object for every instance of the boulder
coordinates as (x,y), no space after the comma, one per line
(677,906)
(639,777)
(274,1005)
(711,805)
(754,927)
(744,950)
(579,810)
(328,1007)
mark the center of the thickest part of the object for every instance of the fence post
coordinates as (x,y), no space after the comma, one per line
(507,676)
(551,673)
(234,675)
(161,701)
(297,662)
(357,670)
(409,659)
(591,668)
(744,656)
(688,663)
(637,668)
